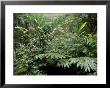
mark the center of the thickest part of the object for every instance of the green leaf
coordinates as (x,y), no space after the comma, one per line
(85,63)
(82,26)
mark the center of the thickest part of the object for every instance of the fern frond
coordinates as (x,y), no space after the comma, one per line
(85,63)
(63,63)
(40,56)
(55,55)
(50,55)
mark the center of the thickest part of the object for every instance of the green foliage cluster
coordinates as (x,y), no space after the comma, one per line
(57,40)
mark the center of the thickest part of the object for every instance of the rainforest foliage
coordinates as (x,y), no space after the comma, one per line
(55,44)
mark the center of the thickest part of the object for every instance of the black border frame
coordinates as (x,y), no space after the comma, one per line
(49,2)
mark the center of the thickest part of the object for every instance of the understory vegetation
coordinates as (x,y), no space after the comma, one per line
(55,44)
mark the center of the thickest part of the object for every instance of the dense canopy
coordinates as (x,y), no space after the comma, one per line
(55,44)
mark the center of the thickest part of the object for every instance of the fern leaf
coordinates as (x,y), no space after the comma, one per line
(50,55)
(40,56)
(64,63)
(85,63)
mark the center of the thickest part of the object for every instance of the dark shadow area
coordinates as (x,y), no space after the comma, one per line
(53,70)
